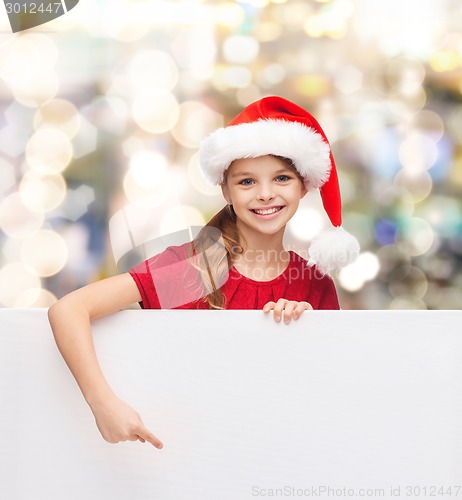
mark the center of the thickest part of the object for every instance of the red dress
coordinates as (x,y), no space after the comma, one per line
(168,281)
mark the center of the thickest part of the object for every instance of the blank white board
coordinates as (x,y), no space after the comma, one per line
(356,404)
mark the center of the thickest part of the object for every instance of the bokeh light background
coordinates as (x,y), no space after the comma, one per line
(106,106)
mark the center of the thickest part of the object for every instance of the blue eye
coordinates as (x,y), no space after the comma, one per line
(283,178)
(246,182)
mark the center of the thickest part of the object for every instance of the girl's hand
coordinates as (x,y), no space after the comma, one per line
(291,308)
(117,421)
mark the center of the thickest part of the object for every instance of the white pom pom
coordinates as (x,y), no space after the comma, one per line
(333,249)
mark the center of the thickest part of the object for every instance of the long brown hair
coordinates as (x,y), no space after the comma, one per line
(214,250)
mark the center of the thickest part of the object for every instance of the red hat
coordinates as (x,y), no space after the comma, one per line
(279,127)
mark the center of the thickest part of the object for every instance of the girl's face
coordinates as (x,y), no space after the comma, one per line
(264,191)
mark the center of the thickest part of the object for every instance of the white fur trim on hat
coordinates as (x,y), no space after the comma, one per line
(333,249)
(303,145)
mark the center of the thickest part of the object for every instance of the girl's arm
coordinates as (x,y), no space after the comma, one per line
(70,319)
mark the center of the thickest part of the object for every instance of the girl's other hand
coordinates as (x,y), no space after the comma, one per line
(291,308)
(117,421)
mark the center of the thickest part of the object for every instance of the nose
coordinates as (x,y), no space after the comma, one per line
(266,192)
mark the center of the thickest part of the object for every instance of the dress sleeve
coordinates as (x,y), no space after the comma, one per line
(143,279)
(168,280)
(328,298)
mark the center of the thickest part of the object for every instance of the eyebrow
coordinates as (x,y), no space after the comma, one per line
(250,174)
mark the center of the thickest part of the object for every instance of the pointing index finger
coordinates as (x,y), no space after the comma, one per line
(148,436)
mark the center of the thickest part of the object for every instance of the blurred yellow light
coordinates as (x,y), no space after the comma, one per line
(58,113)
(123,21)
(328,21)
(26,67)
(271,75)
(15,279)
(46,45)
(237,77)
(148,168)
(218,78)
(142,194)
(292,14)
(42,193)
(369,265)
(167,13)
(314,27)
(229,14)
(177,218)
(35,297)
(49,151)
(418,184)
(259,4)
(306,223)
(196,51)
(312,85)
(418,152)
(240,49)
(195,122)
(428,122)
(456,173)
(153,69)
(337,34)
(355,275)
(45,252)
(20,57)
(266,31)
(350,279)
(38,91)
(453,122)
(155,111)
(16,220)
(135,191)
(445,60)
(26,57)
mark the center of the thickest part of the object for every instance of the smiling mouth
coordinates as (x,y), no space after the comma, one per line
(266,211)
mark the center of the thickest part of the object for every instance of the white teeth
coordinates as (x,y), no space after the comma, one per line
(267,211)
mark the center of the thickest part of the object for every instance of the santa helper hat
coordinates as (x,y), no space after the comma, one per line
(279,127)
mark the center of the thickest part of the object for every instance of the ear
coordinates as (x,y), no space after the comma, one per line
(304,190)
(225,191)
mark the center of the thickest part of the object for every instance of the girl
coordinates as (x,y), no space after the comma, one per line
(265,161)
